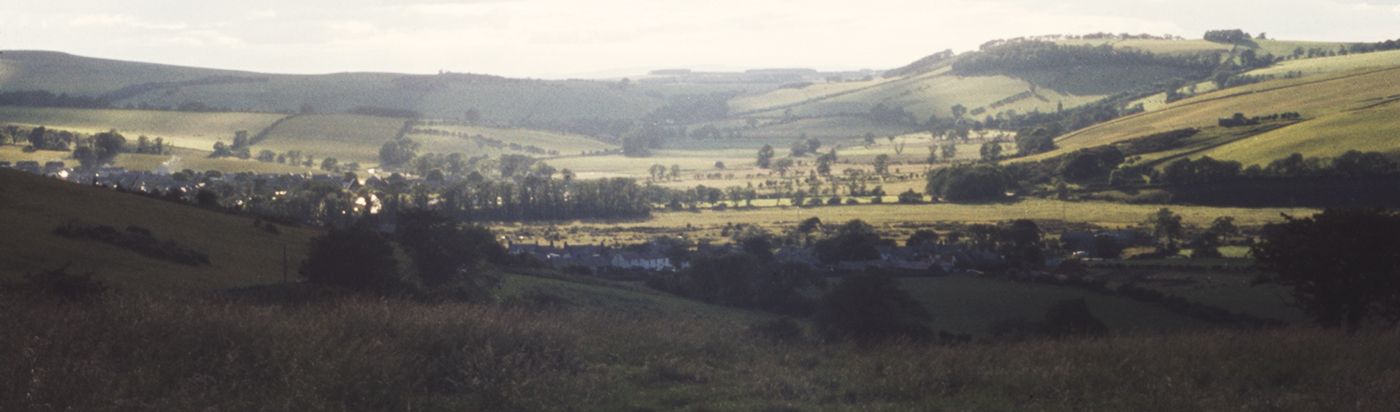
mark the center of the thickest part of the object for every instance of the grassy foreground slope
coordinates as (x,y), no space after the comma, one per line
(32,206)
(190,353)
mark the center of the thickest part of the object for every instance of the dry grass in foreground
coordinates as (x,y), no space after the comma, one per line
(166,352)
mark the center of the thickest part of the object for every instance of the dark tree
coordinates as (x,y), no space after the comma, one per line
(449,254)
(765,156)
(1342,264)
(922,236)
(870,308)
(854,241)
(355,258)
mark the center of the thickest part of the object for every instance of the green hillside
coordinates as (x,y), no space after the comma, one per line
(239,253)
(1340,112)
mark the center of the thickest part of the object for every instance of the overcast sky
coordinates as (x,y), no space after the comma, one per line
(594,38)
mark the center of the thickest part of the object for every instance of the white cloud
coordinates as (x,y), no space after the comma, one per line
(111,20)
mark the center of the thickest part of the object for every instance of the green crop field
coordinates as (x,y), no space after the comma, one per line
(566,144)
(240,254)
(1333,64)
(348,138)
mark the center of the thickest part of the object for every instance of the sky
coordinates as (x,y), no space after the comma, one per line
(610,38)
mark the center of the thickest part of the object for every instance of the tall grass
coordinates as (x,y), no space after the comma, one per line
(165,352)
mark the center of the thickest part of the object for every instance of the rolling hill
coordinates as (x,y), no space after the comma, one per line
(445,95)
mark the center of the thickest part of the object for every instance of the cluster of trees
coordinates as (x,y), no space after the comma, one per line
(296,158)
(864,308)
(1036,55)
(536,198)
(970,183)
(100,149)
(1235,36)
(449,260)
(1350,164)
(241,147)
(43,98)
(384,112)
(1053,37)
(42,138)
(803,145)
(895,115)
(1090,163)
(1018,242)
(689,109)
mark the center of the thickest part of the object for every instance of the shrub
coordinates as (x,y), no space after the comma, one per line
(355,258)
(870,308)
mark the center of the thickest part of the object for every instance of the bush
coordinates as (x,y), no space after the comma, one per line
(870,308)
(356,258)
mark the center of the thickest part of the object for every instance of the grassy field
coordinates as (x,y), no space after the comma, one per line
(240,254)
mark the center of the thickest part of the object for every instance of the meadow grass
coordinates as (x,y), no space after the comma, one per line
(166,352)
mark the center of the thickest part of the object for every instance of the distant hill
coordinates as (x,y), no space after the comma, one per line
(446,95)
